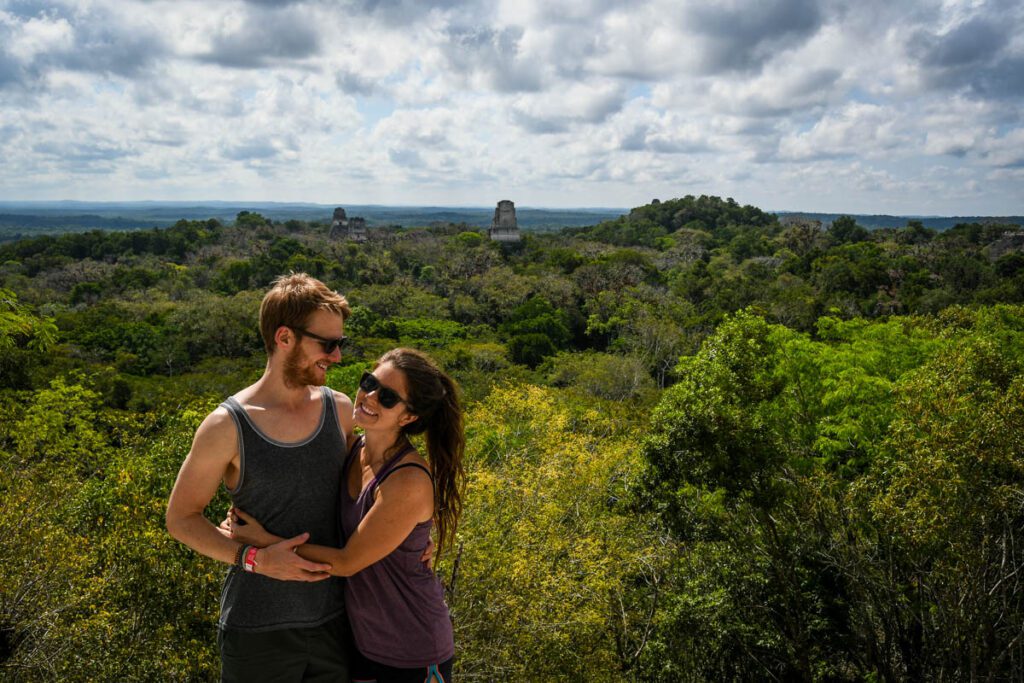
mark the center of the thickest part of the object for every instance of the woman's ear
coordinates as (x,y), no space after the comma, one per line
(407,418)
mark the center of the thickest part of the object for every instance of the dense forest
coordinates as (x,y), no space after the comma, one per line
(703,444)
(23,220)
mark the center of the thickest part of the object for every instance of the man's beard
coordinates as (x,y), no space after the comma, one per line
(298,372)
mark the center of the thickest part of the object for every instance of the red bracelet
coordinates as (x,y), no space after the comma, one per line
(249,563)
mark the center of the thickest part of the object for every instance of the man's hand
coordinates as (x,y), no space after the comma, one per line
(428,554)
(279,561)
(244,528)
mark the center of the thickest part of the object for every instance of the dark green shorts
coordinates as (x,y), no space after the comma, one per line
(319,654)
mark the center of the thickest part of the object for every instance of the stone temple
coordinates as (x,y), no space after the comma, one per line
(352,228)
(504,227)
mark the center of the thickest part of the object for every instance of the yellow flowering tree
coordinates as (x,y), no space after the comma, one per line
(556,579)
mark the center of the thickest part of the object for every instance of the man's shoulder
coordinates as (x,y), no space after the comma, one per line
(343,409)
(340,398)
(218,426)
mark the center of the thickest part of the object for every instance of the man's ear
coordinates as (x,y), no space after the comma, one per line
(284,336)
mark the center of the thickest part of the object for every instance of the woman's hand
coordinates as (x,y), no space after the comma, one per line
(244,528)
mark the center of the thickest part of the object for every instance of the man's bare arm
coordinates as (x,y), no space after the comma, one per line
(213,448)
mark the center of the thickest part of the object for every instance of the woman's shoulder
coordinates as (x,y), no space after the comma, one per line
(411,463)
(409,475)
(410,484)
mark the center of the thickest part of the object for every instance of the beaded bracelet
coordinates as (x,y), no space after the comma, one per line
(239,556)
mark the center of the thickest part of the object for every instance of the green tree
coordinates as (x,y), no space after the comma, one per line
(845,230)
(91,586)
(834,495)
(25,341)
(536,330)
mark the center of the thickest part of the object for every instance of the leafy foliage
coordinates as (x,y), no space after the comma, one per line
(549,567)
(864,490)
(704,444)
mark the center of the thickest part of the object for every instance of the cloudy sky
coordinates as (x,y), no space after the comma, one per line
(869,106)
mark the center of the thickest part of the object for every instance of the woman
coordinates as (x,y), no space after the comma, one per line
(391,497)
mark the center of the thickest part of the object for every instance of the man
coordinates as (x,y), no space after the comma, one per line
(278,447)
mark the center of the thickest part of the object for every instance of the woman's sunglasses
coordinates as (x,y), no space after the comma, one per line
(328,344)
(386,396)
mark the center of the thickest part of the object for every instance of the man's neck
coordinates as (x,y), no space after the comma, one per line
(273,390)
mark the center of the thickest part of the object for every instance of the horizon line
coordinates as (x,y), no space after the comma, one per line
(242,204)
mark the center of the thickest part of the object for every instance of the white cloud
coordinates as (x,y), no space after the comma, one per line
(574,103)
(37,35)
(1005,151)
(855,130)
(811,103)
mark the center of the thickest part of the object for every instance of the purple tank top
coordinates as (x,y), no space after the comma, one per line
(396,605)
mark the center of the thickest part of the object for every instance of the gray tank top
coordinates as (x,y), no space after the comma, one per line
(290,488)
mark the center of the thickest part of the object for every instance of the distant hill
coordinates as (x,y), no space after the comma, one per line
(31,223)
(26,219)
(884,221)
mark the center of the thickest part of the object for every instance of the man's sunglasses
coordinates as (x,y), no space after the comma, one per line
(328,344)
(386,396)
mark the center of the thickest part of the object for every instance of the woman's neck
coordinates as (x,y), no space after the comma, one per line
(378,447)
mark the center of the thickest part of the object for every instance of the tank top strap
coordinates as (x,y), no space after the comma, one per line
(332,422)
(383,473)
(237,413)
(350,456)
(329,409)
(232,405)
(380,480)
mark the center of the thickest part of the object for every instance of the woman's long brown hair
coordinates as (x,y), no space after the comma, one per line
(434,399)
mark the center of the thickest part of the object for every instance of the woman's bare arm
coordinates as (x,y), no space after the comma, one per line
(403,501)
